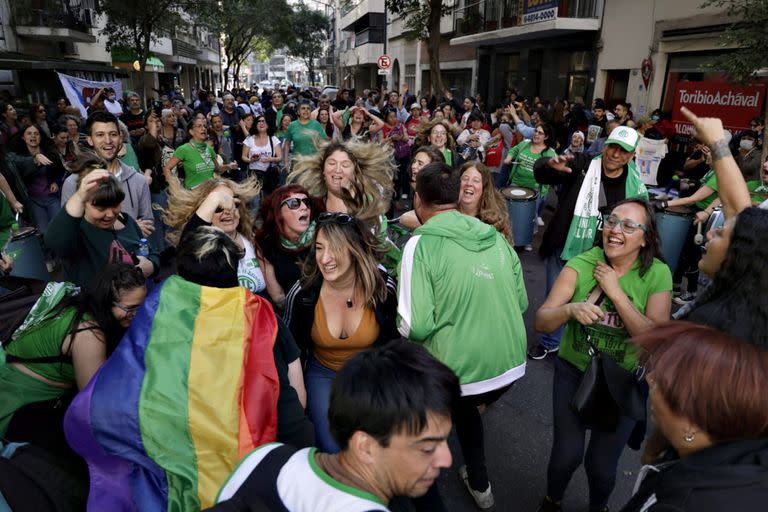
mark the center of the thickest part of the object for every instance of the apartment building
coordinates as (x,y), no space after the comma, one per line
(39,37)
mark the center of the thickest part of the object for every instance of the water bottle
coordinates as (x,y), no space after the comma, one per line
(143,249)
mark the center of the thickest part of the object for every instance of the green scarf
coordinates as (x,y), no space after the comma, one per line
(278,117)
(586,215)
(45,307)
(304,239)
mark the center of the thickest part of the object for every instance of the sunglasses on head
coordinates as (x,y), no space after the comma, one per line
(294,203)
(335,217)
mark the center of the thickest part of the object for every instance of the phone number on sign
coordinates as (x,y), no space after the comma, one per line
(535,17)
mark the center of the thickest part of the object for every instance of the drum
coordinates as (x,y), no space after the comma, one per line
(26,249)
(521,205)
(673,225)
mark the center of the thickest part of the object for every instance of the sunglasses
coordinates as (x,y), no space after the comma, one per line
(335,217)
(128,310)
(627,226)
(294,203)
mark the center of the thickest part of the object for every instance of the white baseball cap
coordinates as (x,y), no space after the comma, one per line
(625,137)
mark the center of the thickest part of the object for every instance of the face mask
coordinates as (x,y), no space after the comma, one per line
(746,144)
(111,97)
(654,118)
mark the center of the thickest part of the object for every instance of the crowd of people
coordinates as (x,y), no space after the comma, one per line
(287,301)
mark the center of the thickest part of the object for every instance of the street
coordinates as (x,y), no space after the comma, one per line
(518,430)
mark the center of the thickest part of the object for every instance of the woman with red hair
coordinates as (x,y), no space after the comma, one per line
(288,226)
(707,396)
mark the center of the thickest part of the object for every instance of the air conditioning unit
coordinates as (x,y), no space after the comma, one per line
(67,48)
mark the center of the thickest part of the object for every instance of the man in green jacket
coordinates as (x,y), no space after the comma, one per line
(461,293)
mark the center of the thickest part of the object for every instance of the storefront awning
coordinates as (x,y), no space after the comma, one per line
(125,57)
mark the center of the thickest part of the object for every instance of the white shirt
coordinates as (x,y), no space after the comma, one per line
(262,151)
(249,273)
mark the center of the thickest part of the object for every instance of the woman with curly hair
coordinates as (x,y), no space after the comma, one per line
(350,177)
(208,205)
(440,134)
(479,198)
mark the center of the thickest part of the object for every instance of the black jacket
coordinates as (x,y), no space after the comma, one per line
(556,233)
(300,313)
(731,476)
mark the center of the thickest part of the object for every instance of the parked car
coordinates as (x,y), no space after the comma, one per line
(331,91)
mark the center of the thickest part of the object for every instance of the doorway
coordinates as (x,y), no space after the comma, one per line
(616,86)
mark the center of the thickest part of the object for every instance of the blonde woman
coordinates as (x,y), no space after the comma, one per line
(479,198)
(221,203)
(350,177)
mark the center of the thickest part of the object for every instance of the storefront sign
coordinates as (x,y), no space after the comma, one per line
(535,11)
(734,104)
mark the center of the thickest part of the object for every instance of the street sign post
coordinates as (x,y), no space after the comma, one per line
(384,62)
(383,71)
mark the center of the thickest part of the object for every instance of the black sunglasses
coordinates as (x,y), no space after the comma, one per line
(293,203)
(336,217)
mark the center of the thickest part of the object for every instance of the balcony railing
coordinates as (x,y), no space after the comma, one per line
(53,14)
(182,48)
(486,15)
(370,35)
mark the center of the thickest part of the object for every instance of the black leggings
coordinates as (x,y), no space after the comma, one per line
(469,429)
(602,455)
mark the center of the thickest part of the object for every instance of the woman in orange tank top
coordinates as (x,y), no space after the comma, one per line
(343,304)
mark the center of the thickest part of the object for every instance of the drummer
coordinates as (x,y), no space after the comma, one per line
(614,178)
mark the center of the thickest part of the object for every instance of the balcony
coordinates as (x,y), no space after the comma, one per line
(373,35)
(53,20)
(487,22)
(184,52)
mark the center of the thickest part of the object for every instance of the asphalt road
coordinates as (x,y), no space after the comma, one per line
(518,430)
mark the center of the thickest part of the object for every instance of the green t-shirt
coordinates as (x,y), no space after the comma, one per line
(710,180)
(6,221)
(609,336)
(199,162)
(522,168)
(303,136)
(448,155)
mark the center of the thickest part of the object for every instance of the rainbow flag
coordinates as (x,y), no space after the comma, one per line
(190,389)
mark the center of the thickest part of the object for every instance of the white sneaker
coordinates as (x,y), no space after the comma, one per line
(483,500)
(539,221)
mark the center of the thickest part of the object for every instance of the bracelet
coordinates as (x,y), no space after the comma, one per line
(720,150)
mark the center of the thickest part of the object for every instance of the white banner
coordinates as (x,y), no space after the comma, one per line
(648,156)
(80,92)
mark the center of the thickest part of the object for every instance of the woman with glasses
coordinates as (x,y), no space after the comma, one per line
(263,152)
(439,133)
(287,230)
(223,204)
(343,304)
(57,350)
(39,118)
(604,296)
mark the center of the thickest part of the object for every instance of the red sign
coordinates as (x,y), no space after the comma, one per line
(735,105)
(385,62)
(647,71)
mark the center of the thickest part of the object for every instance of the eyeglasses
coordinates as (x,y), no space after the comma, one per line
(627,226)
(335,217)
(539,132)
(261,121)
(294,203)
(128,310)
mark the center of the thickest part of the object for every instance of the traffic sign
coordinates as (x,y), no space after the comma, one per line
(384,61)
(384,71)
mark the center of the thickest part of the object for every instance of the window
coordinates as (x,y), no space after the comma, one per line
(410,76)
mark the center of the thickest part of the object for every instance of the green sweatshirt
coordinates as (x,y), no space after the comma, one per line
(84,248)
(461,293)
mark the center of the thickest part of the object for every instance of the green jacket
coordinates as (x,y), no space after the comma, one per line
(462,294)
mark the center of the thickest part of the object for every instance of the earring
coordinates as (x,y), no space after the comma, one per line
(689,437)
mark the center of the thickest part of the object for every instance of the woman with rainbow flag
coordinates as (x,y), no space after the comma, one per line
(198,381)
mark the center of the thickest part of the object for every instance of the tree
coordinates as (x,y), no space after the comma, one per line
(310,32)
(747,34)
(422,20)
(135,24)
(237,21)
